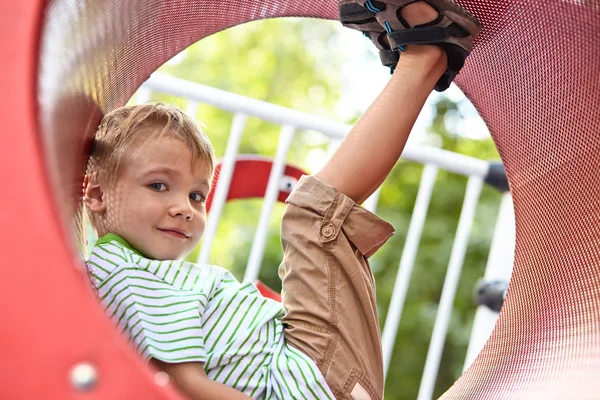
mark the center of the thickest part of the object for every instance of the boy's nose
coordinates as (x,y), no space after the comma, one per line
(183,209)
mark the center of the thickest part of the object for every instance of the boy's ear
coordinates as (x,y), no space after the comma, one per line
(93,196)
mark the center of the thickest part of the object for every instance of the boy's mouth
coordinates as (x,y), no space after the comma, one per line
(178,233)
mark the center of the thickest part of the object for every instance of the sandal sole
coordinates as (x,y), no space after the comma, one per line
(354,13)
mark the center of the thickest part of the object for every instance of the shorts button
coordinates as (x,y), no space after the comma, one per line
(327,231)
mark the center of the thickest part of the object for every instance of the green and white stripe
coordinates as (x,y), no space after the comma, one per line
(177,311)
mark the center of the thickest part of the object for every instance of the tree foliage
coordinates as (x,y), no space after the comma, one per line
(294,63)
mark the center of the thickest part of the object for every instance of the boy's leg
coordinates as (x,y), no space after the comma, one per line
(375,143)
(328,287)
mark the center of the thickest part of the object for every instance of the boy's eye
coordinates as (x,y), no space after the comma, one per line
(158,186)
(198,197)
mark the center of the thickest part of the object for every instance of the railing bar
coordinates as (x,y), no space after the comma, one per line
(334,143)
(447,160)
(271,194)
(459,248)
(235,102)
(453,162)
(222,186)
(192,108)
(371,203)
(407,261)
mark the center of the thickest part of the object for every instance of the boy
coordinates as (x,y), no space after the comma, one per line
(145,189)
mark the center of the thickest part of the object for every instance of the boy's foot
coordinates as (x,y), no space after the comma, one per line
(439,22)
(418,13)
(355,16)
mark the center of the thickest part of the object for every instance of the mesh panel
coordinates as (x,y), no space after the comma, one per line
(534,79)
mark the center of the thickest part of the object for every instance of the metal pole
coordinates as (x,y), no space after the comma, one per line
(371,202)
(390,329)
(443,159)
(222,186)
(272,192)
(143,95)
(442,319)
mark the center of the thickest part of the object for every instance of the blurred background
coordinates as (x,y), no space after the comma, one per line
(321,68)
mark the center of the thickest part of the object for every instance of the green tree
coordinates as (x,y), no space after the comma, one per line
(293,62)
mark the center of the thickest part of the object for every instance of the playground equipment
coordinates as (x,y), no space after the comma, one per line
(533,76)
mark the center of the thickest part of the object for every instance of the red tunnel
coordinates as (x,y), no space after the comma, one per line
(533,76)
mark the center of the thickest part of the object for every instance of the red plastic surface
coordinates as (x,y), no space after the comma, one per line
(250,178)
(50,318)
(267,291)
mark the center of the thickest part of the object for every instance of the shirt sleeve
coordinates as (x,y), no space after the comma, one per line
(162,321)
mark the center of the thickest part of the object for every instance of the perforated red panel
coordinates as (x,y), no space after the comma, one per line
(534,76)
(535,79)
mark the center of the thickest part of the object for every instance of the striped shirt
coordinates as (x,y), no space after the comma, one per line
(177,311)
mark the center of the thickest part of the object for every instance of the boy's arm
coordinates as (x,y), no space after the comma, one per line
(192,381)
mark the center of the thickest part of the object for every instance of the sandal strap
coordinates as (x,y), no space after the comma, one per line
(389,58)
(357,18)
(418,35)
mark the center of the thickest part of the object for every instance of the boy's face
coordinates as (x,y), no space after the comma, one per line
(157,204)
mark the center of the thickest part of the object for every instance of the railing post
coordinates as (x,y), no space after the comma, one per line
(459,248)
(409,253)
(192,108)
(222,186)
(371,203)
(272,192)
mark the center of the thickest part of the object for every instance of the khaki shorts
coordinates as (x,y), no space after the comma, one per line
(328,288)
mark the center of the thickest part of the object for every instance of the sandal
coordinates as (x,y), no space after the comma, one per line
(354,16)
(454,30)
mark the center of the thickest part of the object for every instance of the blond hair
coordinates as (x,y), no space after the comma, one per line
(130,125)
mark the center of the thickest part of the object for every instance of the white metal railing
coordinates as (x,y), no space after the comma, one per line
(407,261)
(292,121)
(459,248)
(235,103)
(271,194)
(222,188)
